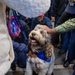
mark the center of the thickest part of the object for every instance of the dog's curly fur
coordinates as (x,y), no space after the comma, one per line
(43,40)
(39,39)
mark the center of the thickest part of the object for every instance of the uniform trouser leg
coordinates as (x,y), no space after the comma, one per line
(65,37)
(71,47)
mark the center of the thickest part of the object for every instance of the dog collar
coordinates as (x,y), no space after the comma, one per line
(41,55)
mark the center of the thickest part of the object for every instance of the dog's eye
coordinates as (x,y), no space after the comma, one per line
(35,29)
(41,32)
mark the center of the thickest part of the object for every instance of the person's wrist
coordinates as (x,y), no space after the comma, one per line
(52,31)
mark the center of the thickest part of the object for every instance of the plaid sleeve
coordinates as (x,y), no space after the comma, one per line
(68,25)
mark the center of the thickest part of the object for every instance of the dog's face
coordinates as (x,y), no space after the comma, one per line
(38,38)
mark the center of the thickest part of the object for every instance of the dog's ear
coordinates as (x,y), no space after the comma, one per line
(48,51)
(48,46)
(48,38)
(29,45)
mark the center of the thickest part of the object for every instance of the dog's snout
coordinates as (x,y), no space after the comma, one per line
(33,34)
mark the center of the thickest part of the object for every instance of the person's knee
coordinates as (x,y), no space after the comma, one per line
(22,57)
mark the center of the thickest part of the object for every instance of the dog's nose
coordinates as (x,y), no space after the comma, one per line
(33,34)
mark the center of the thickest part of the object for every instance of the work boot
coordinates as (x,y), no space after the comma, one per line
(66,63)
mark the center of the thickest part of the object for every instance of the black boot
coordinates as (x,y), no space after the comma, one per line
(74,67)
(13,66)
(34,73)
(52,73)
(66,63)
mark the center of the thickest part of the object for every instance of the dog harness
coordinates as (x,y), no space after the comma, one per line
(41,55)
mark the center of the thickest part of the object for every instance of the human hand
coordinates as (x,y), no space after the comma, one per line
(49,30)
(46,28)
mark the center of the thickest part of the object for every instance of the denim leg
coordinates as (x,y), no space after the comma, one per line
(65,40)
(71,47)
(22,57)
(73,73)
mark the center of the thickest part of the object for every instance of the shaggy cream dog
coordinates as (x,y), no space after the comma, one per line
(41,59)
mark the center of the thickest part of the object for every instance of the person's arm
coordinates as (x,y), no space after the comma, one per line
(20,47)
(68,25)
(63,18)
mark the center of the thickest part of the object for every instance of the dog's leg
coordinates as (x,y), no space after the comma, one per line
(50,74)
(28,69)
(51,66)
(42,71)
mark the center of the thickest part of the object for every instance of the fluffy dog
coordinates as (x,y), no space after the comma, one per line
(42,59)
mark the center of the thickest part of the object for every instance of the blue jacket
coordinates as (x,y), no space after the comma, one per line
(19,47)
(20,51)
(46,21)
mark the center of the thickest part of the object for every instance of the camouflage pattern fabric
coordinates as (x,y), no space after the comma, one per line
(68,25)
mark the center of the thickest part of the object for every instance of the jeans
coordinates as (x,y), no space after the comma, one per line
(71,46)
